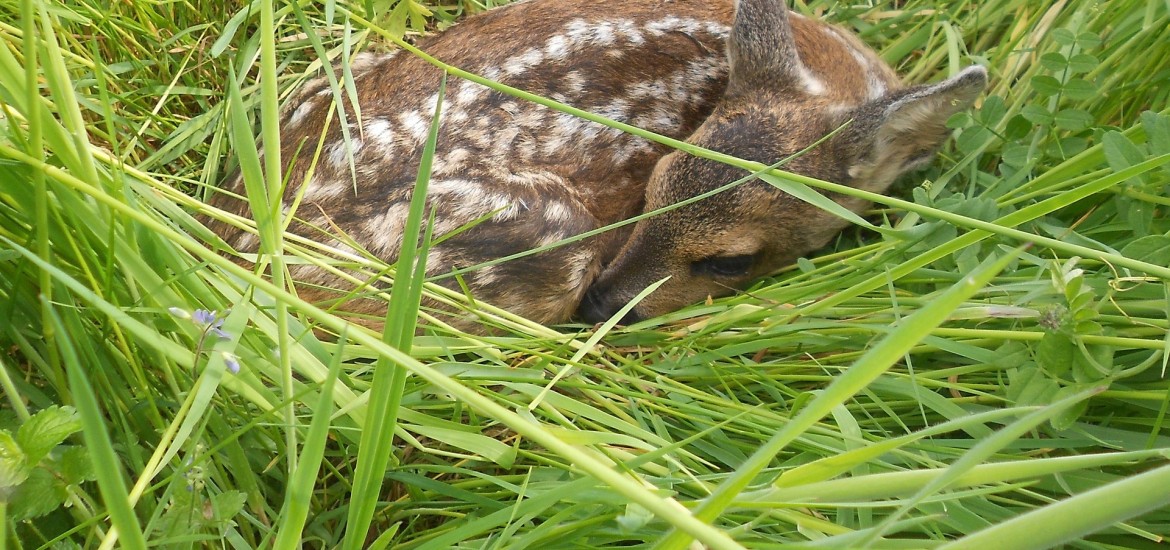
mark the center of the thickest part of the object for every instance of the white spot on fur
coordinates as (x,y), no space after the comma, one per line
(673,23)
(557,212)
(415,125)
(486,276)
(387,229)
(301,112)
(551,237)
(574,82)
(380,133)
(581,33)
(322,190)
(454,161)
(874,75)
(523,62)
(339,154)
(469,200)
(648,90)
(630,32)
(365,60)
(491,73)
(435,261)
(557,48)
(469,92)
(618,109)
(247,242)
(811,83)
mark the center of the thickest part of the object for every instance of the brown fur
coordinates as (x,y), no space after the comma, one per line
(543,176)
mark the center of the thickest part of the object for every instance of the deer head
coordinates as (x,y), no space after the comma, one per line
(776,105)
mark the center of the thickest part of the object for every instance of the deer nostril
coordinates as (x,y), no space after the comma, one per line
(595,308)
(592,308)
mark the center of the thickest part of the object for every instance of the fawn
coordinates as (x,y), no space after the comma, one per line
(746,78)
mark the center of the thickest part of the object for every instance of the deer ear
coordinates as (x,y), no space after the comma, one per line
(902,130)
(761,49)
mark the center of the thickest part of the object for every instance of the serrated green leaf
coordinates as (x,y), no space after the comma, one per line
(1072,288)
(47,429)
(40,494)
(14,465)
(1080,302)
(73,465)
(224,507)
(1010,355)
(1087,327)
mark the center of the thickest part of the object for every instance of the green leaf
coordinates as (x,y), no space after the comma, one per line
(47,429)
(1016,155)
(1037,114)
(992,111)
(1082,63)
(971,139)
(1054,353)
(1154,249)
(1054,61)
(1017,127)
(1093,367)
(1064,37)
(1120,152)
(1088,40)
(1073,120)
(1030,386)
(14,464)
(1157,127)
(1046,85)
(73,465)
(40,494)
(1080,89)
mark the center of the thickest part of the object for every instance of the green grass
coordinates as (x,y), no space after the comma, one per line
(988,370)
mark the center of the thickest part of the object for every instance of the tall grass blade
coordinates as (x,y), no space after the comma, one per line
(377,441)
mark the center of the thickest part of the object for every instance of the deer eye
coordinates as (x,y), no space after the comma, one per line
(724,266)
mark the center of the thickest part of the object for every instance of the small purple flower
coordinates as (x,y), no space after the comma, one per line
(203,317)
(231,362)
(211,322)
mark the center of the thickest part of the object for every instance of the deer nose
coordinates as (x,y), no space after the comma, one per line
(595,308)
